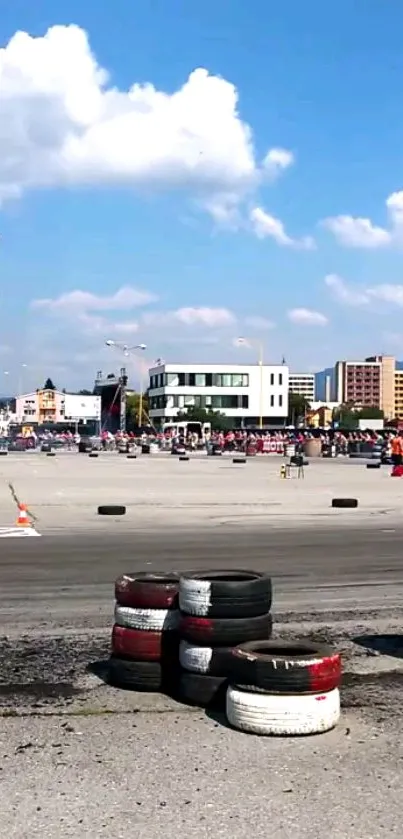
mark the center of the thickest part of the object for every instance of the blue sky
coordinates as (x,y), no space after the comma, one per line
(260,196)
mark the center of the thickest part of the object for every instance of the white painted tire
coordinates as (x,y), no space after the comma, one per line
(262,713)
(195,659)
(151,620)
(195,596)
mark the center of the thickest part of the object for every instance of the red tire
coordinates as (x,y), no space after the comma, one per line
(147,591)
(142,645)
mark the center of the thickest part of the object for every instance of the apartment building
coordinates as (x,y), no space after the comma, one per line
(368,383)
(243,393)
(55,406)
(303,384)
(398,394)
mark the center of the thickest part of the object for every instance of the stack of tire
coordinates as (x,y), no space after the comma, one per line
(219,610)
(279,688)
(145,639)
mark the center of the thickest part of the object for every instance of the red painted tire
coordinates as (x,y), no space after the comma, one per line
(288,667)
(224,632)
(142,645)
(147,591)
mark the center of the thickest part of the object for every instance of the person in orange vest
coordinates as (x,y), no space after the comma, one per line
(397,450)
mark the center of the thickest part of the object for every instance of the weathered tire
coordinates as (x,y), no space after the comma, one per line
(137,675)
(93,454)
(212,661)
(345,503)
(148,620)
(375,465)
(132,457)
(142,645)
(225,594)
(3,453)
(202,691)
(184,457)
(50,454)
(262,713)
(153,591)
(239,460)
(224,632)
(111,509)
(285,667)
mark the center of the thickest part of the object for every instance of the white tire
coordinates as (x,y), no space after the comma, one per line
(151,620)
(195,659)
(195,596)
(262,713)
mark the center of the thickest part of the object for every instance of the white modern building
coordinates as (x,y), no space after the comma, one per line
(303,384)
(56,406)
(244,393)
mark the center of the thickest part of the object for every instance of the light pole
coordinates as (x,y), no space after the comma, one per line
(251,342)
(126,350)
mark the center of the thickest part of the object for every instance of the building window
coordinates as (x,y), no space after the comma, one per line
(171,379)
(272,379)
(200,379)
(280,379)
(280,401)
(272,401)
(245,401)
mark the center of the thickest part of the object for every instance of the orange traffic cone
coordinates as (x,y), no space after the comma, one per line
(23,520)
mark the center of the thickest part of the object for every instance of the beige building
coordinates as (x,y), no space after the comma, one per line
(367,384)
(398,394)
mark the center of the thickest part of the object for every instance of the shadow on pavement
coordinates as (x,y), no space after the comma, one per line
(384,644)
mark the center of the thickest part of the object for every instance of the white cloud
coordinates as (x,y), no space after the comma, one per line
(277,161)
(191,316)
(343,293)
(265,226)
(362,233)
(257,322)
(125,298)
(307,317)
(384,292)
(63,123)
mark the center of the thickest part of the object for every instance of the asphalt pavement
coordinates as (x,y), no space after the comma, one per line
(82,758)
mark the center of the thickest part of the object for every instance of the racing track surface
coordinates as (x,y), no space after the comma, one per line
(79,758)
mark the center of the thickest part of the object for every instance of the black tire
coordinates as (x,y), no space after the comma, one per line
(375,465)
(50,454)
(225,632)
(239,460)
(93,454)
(143,590)
(184,457)
(345,503)
(111,510)
(136,675)
(284,667)
(3,453)
(202,691)
(131,456)
(228,594)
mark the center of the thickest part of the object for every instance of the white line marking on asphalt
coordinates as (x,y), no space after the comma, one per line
(17,532)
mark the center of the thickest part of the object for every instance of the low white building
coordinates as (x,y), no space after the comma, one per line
(242,392)
(303,384)
(56,406)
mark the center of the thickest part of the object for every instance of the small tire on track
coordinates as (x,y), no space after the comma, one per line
(93,454)
(375,465)
(143,645)
(262,713)
(345,503)
(111,509)
(213,661)
(224,632)
(225,594)
(3,453)
(202,691)
(135,675)
(148,620)
(285,667)
(239,460)
(184,457)
(146,590)
(50,454)
(131,457)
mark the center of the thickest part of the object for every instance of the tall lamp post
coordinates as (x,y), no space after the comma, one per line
(127,351)
(251,342)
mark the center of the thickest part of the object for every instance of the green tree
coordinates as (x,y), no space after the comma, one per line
(372,412)
(346,417)
(49,385)
(219,422)
(133,408)
(298,405)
